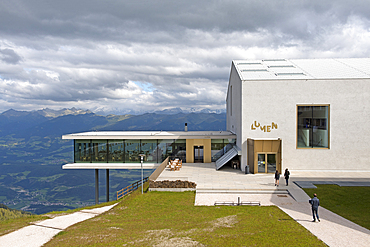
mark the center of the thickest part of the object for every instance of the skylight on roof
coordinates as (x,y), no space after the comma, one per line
(282,74)
(273,60)
(281,66)
(251,63)
(254,70)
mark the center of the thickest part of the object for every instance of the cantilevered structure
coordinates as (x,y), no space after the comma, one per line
(120,149)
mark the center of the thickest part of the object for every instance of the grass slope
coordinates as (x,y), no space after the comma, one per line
(11,219)
(171,219)
(7,213)
(352,203)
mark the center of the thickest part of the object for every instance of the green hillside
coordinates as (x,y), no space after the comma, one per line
(7,213)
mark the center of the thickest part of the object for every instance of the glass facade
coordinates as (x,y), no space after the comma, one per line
(99,151)
(313,126)
(165,149)
(179,150)
(220,146)
(217,146)
(132,151)
(150,149)
(116,151)
(127,151)
(82,149)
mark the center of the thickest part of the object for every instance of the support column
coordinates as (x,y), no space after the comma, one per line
(96,186)
(107,184)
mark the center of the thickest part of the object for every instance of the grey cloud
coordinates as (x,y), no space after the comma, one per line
(9,56)
(89,54)
(147,21)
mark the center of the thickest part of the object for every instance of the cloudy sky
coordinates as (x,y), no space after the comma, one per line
(119,56)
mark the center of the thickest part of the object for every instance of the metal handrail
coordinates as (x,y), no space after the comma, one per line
(131,188)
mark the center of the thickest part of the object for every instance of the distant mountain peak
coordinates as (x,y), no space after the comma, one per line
(13,113)
(46,112)
(170,111)
(57,113)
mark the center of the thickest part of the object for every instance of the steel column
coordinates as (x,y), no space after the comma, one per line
(107,184)
(96,186)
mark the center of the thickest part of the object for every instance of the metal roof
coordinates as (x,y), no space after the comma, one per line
(152,135)
(291,69)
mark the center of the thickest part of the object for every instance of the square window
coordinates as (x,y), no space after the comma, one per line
(313,126)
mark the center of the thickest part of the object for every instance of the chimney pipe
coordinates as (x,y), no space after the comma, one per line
(186,127)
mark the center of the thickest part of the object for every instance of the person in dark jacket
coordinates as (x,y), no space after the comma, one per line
(286,175)
(277,177)
(315,203)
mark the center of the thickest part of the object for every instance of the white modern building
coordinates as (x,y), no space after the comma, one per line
(301,114)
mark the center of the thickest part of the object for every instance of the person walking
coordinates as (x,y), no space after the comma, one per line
(315,203)
(286,175)
(277,177)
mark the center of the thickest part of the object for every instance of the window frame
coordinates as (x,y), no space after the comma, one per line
(327,123)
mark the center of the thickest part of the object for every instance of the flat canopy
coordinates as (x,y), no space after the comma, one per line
(152,135)
(110,166)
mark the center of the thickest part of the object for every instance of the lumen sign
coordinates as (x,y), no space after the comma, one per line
(265,128)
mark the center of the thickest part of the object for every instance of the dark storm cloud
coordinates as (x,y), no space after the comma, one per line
(107,20)
(9,56)
(149,55)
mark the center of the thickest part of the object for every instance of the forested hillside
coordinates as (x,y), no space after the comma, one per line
(7,213)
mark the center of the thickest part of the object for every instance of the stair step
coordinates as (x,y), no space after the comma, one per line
(228,191)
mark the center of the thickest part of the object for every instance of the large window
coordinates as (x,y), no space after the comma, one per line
(83,151)
(116,151)
(220,146)
(217,149)
(99,150)
(313,126)
(132,151)
(149,148)
(179,150)
(165,149)
(127,151)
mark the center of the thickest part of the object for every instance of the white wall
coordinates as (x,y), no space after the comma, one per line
(276,101)
(233,121)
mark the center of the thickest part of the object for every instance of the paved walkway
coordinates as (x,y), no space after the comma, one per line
(43,231)
(229,185)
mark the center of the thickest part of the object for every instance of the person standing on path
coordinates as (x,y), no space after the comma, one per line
(315,203)
(286,175)
(277,177)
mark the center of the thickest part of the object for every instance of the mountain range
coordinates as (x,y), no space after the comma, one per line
(32,153)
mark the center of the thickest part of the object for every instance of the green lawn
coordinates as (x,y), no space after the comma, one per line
(352,203)
(171,219)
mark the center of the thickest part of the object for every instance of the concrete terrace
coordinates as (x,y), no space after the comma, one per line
(230,185)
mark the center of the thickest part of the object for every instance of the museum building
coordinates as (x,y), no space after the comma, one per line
(305,114)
